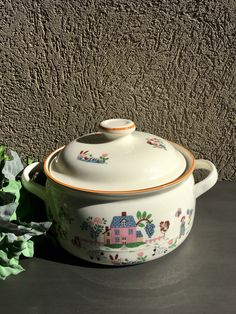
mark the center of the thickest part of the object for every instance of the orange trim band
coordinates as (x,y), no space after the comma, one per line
(118,129)
(155,188)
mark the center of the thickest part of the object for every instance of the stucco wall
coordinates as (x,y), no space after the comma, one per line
(168,65)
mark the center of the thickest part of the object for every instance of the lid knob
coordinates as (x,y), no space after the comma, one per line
(115,128)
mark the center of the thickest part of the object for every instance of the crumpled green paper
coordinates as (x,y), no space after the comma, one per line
(15,235)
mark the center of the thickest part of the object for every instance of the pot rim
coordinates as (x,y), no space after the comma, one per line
(182,177)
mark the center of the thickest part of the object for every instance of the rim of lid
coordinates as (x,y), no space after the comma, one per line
(190,160)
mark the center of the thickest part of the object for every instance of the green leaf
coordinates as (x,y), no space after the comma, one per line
(144,215)
(14,188)
(149,216)
(9,227)
(3,154)
(30,160)
(12,167)
(3,258)
(6,198)
(7,212)
(139,215)
(29,249)
(15,233)
(35,228)
(11,247)
(8,270)
(141,225)
(9,192)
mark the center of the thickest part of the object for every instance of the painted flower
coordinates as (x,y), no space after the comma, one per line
(170,241)
(97,221)
(153,141)
(86,155)
(140,254)
(156,142)
(104,155)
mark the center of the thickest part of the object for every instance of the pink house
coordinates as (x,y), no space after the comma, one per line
(122,230)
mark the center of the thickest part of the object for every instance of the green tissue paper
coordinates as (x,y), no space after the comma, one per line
(16,236)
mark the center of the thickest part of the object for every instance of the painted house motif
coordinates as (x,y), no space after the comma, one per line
(123,230)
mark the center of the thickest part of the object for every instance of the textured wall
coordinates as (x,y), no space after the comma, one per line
(168,65)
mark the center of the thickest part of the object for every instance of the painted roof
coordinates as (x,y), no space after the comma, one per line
(139,233)
(123,222)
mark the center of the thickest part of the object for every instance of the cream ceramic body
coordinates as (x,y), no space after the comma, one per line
(123,227)
(97,228)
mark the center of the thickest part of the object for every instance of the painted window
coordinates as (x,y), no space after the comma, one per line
(108,233)
(130,231)
(117,239)
(123,222)
(117,231)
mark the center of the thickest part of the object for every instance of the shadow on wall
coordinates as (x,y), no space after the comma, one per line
(167,66)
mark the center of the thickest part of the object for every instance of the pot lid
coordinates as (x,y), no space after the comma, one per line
(117,158)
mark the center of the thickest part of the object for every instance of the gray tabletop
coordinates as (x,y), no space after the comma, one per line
(198,277)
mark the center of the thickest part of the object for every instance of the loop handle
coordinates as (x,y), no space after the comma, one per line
(30,185)
(207,183)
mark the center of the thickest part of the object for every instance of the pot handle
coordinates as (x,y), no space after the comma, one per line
(29,184)
(207,183)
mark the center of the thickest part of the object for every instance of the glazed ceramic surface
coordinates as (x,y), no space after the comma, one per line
(115,159)
(121,230)
(122,227)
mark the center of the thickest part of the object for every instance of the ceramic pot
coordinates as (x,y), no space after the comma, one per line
(119,196)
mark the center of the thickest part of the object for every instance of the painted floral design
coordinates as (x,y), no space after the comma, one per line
(115,243)
(172,243)
(87,156)
(156,143)
(94,226)
(114,259)
(141,257)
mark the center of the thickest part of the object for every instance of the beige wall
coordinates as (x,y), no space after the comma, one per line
(168,65)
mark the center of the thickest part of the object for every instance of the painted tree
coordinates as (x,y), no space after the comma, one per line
(95,226)
(145,222)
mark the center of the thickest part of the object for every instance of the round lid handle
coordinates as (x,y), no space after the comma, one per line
(115,128)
